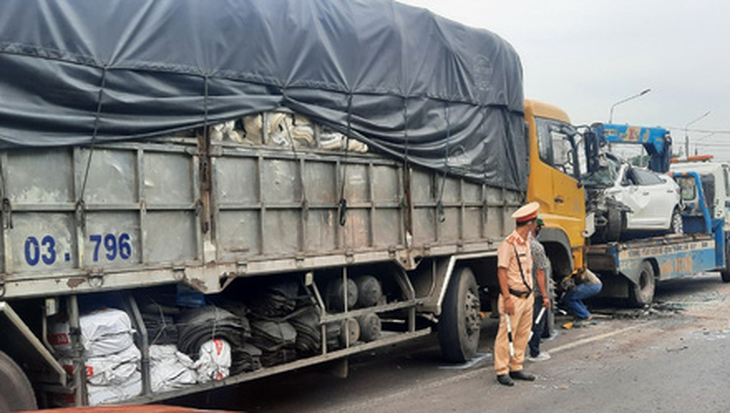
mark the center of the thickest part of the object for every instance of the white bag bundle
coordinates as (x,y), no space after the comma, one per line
(114,368)
(106,331)
(215,361)
(109,370)
(103,332)
(170,369)
(116,393)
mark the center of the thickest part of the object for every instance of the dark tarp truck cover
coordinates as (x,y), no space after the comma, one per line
(403,80)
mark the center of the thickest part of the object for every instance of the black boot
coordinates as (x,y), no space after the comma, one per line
(505,380)
(521,375)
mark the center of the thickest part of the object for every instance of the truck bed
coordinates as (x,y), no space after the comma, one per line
(674,256)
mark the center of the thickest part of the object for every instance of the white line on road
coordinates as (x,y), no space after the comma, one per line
(596,338)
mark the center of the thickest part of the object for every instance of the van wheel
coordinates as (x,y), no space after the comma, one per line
(676,226)
(460,321)
(16,393)
(642,294)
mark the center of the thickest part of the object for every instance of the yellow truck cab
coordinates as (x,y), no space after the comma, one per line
(554,183)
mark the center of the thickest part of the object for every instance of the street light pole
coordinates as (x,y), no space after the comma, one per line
(640,94)
(686,135)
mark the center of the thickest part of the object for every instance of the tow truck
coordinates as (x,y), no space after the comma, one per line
(631,268)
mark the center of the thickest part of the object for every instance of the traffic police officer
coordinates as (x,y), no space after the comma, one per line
(514,263)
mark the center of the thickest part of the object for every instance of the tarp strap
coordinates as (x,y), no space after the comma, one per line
(342,204)
(440,204)
(205,167)
(7,207)
(405,131)
(205,106)
(290,135)
(485,198)
(80,203)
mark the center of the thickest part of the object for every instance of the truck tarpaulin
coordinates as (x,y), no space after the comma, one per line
(405,81)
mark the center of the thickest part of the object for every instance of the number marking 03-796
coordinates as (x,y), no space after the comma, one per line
(115,247)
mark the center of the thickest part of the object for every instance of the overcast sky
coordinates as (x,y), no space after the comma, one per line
(584,56)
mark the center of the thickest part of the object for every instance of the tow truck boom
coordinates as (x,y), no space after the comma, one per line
(656,141)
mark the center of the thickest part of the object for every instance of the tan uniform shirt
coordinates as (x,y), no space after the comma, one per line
(506,259)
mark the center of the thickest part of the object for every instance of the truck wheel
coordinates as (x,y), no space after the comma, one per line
(725,274)
(676,227)
(642,294)
(16,393)
(614,226)
(460,321)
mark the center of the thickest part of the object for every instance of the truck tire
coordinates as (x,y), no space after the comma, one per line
(725,272)
(615,225)
(336,294)
(460,321)
(369,291)
(16,393)
(642,294)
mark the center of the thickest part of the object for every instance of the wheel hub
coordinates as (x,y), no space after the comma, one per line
(472,307)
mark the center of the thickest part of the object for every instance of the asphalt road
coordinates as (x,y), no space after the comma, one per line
(673,357)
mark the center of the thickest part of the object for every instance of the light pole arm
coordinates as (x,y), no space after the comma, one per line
(642,93)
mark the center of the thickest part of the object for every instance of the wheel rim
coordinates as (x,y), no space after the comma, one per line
(471,307)
(677,223)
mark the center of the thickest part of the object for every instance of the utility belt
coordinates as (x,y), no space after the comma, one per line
(520,294)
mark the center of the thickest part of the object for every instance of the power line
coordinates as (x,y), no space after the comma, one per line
(721,132)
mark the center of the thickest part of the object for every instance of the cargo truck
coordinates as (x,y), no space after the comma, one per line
(127,181)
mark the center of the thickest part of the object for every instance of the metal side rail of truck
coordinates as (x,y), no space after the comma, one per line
(631,269)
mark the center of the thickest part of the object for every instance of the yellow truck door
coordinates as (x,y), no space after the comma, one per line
(554,174)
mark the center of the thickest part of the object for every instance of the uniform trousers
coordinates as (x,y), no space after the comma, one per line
(537,328)
(521,327)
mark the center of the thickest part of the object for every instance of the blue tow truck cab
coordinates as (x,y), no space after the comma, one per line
(630,269)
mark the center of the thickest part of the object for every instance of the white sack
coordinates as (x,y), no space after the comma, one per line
(106,332)
(109,370)
(103,332)
(170,369)
(117,393)
(214,362)
(114,368)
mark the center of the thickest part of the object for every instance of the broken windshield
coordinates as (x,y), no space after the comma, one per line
(605,175)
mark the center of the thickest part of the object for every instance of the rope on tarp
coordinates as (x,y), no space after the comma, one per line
(290,135)
(440,203)
(342,204)
(80,202)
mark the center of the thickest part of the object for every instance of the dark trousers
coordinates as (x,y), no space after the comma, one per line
(537,328)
